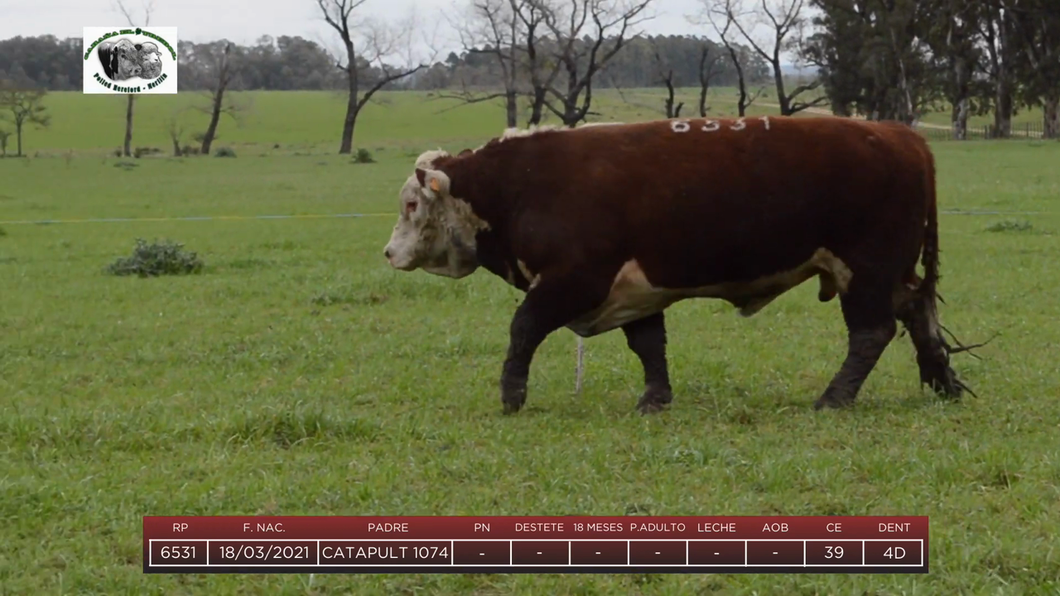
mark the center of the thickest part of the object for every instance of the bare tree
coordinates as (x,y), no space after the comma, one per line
(148,7)
(586,35)
(721,16)
(493,28)
(708,69)
(223,76)
(4,136)
(175,129)
(785,22)
(666,77)
(531,15)
(21,107)
(377,42)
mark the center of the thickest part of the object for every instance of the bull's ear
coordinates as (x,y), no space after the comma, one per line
(434,182)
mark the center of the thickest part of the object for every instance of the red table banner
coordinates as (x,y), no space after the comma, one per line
(574,544)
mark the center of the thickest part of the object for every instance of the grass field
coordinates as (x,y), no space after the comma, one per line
(301,122)
(298,374)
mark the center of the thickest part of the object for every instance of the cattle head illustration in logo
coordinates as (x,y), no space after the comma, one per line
(122,59)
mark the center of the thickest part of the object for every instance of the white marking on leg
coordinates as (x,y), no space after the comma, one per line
(530,277)
(680,126)
(711,126)
(739,125)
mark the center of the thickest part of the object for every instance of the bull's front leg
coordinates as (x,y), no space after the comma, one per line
(647,339)
(553,302)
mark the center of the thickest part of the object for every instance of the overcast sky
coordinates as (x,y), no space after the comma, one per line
(243,21)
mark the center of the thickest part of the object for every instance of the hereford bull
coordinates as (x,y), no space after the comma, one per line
(120,59)
(607,226)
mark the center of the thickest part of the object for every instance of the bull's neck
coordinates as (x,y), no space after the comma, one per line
(465,186)
(492,244)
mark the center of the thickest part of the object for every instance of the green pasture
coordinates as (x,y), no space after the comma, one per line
(310,121)
(299,375)
(302,121)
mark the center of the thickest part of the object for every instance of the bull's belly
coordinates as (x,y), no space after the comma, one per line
(633,297)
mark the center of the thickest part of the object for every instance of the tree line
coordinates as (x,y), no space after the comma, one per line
(897,59)
(287,63)
(880,59)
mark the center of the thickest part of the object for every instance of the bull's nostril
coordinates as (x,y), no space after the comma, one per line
(386,253)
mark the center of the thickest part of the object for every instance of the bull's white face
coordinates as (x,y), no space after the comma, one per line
(435,231)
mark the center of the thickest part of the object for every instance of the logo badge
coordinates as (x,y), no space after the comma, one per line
(122,60)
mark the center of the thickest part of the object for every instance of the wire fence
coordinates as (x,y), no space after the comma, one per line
(985,132)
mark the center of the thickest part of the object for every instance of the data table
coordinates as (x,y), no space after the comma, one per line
(576,544)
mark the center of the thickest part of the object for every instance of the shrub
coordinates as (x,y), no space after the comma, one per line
(2,233)
(157,258)
(1009,225)
(142,151)
(224,152)
(363,156)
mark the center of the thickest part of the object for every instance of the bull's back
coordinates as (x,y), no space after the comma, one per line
(735,199)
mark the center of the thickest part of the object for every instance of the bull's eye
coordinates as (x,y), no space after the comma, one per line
(410,207)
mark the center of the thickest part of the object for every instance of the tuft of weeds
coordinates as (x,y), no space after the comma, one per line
(363,156)
(155,259)
(1010,225)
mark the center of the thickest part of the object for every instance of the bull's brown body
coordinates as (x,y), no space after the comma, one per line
(606,226)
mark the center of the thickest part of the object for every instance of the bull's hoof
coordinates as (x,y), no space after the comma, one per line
(513,399)
(833,400)
(654,401)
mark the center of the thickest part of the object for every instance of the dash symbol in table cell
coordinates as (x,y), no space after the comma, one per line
(598,552)
(779,552)
(713,552)
(481,552)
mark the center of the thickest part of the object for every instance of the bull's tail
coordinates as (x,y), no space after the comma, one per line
(929,258)
(920,315)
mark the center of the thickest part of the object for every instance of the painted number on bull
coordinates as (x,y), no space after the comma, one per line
(714,125)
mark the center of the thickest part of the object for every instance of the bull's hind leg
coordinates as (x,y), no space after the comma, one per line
(869,316)
(647,338)
(919,315)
